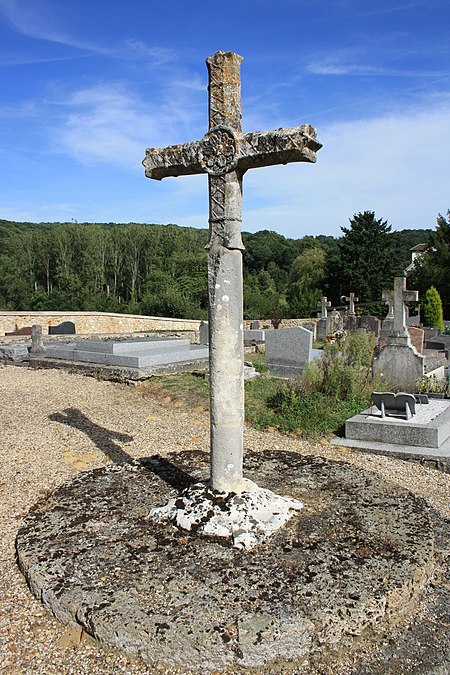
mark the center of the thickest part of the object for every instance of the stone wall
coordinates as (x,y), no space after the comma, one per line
(94,322)
(285,323)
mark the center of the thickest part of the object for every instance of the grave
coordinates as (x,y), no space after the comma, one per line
(288,350)
(424,437)
(323,326)
(64,328)
(131,359)
(398,363)
(25,330)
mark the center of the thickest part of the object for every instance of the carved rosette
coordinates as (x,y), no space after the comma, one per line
(219,150)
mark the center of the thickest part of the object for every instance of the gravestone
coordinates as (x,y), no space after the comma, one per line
(398,363)
(64,328)
(323,327)
(25,330)
(351,299)
(225,154)
(288,351)
(417,338)
(37,343)
(203,332)
(370,323)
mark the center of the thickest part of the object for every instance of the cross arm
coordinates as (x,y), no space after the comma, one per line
(410,296)
(175,160)
(279,146)
(222,150)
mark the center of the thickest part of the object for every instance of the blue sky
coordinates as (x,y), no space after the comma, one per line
(87,85)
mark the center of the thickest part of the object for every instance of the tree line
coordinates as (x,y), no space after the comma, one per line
(162,269)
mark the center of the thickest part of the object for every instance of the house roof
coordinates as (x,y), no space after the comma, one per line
(419,247)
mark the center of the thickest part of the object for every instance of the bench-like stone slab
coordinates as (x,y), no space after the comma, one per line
(430,427)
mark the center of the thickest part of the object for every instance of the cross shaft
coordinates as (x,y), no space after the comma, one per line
(225,154)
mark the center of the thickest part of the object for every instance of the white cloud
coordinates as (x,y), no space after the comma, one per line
(396,166)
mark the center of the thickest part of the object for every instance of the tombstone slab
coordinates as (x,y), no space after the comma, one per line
(288,350)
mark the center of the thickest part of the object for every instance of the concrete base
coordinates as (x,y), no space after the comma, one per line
(430,427)
(424,438)
(246,519)
(339,580)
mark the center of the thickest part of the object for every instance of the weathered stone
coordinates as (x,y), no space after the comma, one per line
(398,363)
(225,154)
(14,352)
(37,343)
(351,299)
(204,333)
(184,601)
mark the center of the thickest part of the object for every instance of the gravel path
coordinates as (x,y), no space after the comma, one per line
(55,424)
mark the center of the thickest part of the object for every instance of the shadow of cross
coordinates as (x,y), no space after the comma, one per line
(101,437)
(225,154)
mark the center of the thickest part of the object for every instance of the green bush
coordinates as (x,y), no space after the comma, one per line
(329,390)
(432,311)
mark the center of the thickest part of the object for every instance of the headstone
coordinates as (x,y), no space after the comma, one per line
(225,154)
(37,343)
(204,333)
(371,324)
(398,363)
(254,335)
(254,325)
(417,338)
(64,328)
(288,351)
(351,299)
(25,330)
(322,306)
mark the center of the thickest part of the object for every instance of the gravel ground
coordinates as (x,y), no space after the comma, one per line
(41,447)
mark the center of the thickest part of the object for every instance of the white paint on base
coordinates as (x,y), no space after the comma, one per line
(247,518)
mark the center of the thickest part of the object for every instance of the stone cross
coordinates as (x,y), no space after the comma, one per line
(351,303)
(225,154)
(398,297)
(322,306)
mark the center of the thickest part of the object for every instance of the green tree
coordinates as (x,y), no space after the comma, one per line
(307,275)
(432,311)
(368,260)
(433,267)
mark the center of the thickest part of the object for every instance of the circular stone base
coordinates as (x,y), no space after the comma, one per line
(350,564)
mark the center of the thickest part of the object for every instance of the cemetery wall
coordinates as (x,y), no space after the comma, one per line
(93,322)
